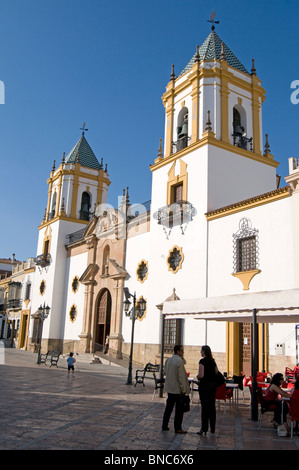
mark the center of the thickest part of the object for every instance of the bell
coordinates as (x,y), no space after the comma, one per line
(238,129)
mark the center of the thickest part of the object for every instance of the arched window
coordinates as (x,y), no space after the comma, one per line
(85,206)
(182,129)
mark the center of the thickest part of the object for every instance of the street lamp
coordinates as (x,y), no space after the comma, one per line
(137,311)
(43,312)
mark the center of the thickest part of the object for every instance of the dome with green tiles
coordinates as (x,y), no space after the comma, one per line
(211,49)
(83,154)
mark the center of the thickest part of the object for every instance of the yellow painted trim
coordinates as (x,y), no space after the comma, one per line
(266,346)
(47,238)
(181,262)
(145,311)
(215,72)
(224,93)
(145,277)
(209,139)
(58,195)
(75,290)
(246,277)
(63,217)
(42,282)
(233,354)
(168,101)
(194,79)
(174,180)
(256,116)
(75,317)
(267,198)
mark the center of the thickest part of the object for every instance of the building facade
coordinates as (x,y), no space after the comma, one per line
(216,222)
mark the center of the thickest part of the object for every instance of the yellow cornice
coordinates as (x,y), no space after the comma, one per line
(80,173)
(256,201)
(249,86)
(29,270)
(62,217)
(209,139)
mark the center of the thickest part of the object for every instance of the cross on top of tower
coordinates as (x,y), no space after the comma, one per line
(212,20)
(83,128)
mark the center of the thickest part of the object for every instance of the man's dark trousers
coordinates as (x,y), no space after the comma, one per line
(173,399)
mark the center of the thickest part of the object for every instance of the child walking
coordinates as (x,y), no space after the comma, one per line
(70,364)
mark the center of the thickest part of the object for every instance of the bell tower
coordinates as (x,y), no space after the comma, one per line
(213,120)
(75,188)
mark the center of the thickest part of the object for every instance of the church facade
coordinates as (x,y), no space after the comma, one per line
(218,224)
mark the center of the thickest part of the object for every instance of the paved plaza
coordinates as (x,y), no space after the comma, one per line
(44,409)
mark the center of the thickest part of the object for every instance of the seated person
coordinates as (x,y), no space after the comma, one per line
(271,398)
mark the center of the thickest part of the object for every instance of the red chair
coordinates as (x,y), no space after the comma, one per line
(289,374)
(264,406)
(294,412)
(222,393)
(296,372)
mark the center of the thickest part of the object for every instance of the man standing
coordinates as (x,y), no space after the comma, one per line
(176,385)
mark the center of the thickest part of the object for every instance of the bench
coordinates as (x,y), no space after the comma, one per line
(148,369)
(43,358)
(54,358)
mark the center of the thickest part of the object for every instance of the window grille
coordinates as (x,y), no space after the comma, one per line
(246,247)
(172,334)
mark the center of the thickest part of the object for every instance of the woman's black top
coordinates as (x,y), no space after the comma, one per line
(209,370)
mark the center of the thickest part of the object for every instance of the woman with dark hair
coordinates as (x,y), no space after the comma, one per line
(207,371)
(271,398)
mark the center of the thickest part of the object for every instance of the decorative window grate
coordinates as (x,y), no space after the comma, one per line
(172,334)
(142,271)
(175,259)
(75,284)
(73,313)
(246,248)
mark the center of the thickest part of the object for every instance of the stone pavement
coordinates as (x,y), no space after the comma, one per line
(43,409)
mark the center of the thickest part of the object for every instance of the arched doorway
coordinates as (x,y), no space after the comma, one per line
(103,319)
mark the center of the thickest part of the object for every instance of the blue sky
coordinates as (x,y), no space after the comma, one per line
(107,63)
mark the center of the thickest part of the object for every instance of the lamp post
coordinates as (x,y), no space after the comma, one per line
(137,310)
(43,312)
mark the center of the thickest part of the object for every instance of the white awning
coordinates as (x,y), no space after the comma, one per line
(271,307)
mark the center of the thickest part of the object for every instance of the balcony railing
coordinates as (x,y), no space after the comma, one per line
(14,303)
(42,260)
(243,142)
(178,213)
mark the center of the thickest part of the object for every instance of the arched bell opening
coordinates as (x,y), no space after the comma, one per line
(85,206)
(182,129)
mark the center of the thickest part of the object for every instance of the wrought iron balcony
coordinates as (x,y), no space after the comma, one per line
(14,303)
(178,213)
(243,142)
(42,260)
(180,144)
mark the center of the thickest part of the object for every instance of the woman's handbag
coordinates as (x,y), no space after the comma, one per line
(185,400)
(220,380)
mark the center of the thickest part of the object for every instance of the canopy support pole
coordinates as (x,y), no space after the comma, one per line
(254,352)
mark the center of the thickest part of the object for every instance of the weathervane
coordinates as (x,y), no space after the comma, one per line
(212,20)
(83,128)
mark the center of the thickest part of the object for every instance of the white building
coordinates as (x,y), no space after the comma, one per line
(219,226)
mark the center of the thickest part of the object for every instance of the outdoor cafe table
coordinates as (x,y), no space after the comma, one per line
(233,386)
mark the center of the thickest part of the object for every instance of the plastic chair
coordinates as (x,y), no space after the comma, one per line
(224,394)
(264,406)
(289,374)
(294,412)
